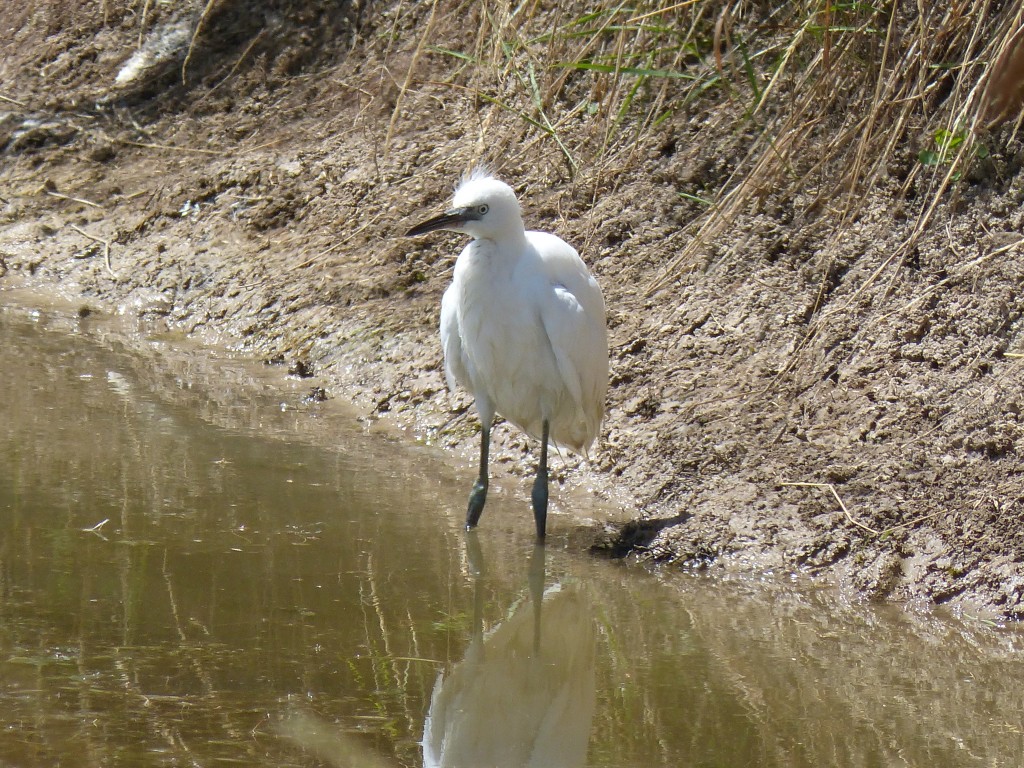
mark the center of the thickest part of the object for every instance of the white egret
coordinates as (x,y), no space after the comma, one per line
(523,330)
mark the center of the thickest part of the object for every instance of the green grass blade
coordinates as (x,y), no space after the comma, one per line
(593,66)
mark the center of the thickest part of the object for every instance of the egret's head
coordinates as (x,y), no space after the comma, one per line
(483,207)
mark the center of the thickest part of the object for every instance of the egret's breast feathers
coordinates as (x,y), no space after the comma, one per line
(527,336)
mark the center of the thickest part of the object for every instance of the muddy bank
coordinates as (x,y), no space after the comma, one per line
(803,379)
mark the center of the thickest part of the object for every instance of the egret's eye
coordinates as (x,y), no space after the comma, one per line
(482,209)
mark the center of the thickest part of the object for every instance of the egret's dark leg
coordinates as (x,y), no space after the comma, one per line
(540,487)
(478,495)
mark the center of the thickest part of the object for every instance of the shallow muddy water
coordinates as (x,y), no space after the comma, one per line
(199,568)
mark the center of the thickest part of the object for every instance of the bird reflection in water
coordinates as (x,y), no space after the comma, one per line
(524,693)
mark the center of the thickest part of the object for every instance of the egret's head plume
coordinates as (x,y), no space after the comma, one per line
(482,171)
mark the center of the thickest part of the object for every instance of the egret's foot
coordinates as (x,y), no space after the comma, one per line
(477,497)
(540,502)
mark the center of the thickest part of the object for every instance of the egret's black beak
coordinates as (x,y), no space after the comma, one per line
(452,219)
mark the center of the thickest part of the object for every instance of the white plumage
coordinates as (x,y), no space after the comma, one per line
(523,329)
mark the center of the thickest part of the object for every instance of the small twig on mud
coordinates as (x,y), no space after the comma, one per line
(852,519)
(15,102)
(81,200)
(355,88)
(238,63)
(105,243)
(910,523)
(266,144)
(170,147)
(842,506)
(195,36)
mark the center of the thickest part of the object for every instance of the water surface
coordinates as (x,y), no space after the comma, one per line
(199,568)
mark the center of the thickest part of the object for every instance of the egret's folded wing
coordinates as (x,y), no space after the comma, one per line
(566,327)
(586,334)
(574,321)
(451,342)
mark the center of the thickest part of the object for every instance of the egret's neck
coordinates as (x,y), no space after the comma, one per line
(507,242)
(492,259)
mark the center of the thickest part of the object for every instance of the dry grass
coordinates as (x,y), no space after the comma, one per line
(591,84)
(827,101)
(902,81)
